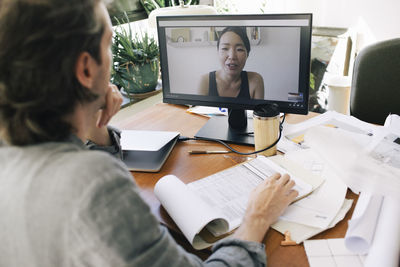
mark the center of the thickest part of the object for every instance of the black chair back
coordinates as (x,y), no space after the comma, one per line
(375,91)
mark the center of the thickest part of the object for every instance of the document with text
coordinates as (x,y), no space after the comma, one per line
(210,208)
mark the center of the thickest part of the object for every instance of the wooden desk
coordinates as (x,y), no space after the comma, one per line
(193,167)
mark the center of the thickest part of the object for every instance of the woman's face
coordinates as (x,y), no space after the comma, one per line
(232,53)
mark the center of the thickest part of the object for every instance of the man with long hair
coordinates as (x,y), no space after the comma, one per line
(62,204)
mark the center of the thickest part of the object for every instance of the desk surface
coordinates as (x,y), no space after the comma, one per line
(189,168)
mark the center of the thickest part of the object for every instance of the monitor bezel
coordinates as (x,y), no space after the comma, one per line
(233,103)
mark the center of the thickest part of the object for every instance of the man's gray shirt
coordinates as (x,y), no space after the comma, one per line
(64,205)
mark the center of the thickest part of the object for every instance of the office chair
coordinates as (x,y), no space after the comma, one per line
(375,90)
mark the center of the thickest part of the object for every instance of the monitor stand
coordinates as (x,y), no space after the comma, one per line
(231,129)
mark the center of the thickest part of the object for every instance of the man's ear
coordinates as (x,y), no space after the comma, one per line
(85,68)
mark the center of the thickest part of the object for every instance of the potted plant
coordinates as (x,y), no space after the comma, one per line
(135,61)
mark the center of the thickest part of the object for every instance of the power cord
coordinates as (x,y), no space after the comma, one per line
(184,138)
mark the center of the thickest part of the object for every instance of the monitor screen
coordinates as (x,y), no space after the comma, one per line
(236,61)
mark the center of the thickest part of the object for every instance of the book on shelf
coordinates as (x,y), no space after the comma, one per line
(211,208)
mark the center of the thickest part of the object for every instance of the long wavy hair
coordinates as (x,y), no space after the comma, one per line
(40,41)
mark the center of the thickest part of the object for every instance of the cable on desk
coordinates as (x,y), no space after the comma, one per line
(184,138)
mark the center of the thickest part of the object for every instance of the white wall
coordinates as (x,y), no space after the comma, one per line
(374,20)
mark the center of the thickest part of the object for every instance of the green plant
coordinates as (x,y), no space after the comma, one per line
(312,81)
(135,60)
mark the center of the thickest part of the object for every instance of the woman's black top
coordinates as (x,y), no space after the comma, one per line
(244,87)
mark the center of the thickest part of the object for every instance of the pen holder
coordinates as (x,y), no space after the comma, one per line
(266,128)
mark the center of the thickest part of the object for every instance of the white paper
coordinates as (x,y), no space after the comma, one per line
(229,190)
(386,150)
(300,232)
(317,248)
(214,111)
(361,131)
(348,123)
(145,140)
(222,196)
(331,252)
(208,111)
(321,207)
(285,145)
(364,172)
(188,211)
(352,162)
(362,225)
(385,248)
(392,122)
(267,167)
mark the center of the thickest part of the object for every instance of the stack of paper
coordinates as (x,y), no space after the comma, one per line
(321,210)
(374,170)
(327,205)
(294,133)
(208,209)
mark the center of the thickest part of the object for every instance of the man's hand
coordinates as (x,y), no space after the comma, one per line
(112,106)
(266,204)
(98,132)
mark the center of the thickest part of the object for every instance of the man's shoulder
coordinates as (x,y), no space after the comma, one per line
(76,162)
(93,161)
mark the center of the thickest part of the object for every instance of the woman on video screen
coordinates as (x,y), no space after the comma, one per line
(231,80)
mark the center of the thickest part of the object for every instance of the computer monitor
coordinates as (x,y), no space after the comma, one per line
(236,62)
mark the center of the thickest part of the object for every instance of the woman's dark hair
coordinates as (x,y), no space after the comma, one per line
(40,41)
(241,31)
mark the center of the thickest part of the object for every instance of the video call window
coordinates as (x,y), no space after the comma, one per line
(274,52)
(236,61)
